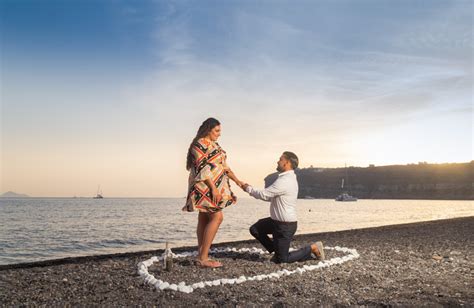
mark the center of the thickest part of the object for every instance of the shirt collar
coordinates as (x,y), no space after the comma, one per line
(286,172)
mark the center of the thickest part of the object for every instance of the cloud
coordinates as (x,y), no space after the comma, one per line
(270,63)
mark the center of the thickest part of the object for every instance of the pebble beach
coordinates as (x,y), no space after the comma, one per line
(427,263)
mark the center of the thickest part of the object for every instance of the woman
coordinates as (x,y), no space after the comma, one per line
(209,188)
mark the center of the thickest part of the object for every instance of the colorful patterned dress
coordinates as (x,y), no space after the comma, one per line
(209,162)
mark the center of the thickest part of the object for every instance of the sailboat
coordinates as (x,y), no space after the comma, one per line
(99,194)
(344,196)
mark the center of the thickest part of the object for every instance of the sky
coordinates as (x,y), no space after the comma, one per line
(112,92)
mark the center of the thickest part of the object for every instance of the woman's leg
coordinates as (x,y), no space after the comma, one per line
(201,226)
(215,220)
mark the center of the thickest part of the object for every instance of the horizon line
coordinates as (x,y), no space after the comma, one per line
(310,167)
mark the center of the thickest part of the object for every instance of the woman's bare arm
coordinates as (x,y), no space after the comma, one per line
(233,177)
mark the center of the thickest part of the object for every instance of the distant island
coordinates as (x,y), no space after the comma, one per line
(11,194)
(452,181)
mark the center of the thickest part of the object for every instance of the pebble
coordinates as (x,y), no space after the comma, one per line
(173,287)
(437,258)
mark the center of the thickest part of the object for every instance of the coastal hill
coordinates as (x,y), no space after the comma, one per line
(453,181)
(11,194)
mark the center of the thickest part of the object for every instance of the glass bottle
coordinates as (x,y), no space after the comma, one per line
(168,258)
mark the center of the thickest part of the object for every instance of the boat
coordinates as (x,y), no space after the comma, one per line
(99,194)
(345,196)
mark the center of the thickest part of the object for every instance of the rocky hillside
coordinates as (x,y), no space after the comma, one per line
(414,181)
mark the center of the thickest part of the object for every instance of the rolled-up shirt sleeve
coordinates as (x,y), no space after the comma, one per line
(274,190)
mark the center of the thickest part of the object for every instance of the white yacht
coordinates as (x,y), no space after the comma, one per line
(344,196)
(99,194)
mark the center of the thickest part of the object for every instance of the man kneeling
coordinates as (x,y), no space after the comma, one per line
(282,224)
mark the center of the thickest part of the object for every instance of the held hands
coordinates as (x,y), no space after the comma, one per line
(242,185)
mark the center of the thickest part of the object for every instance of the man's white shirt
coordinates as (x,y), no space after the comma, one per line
(282,195)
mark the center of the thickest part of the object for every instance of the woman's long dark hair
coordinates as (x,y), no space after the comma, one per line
(202,132)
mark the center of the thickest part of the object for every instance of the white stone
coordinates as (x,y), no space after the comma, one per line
(184,289)
(173,287)
(148,263)
(164,285)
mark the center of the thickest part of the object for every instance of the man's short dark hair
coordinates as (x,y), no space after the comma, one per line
(292,158)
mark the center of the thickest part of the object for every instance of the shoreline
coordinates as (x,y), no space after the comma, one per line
(98,257)
(421,263)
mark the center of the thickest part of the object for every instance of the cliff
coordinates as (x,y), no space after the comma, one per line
(453,181)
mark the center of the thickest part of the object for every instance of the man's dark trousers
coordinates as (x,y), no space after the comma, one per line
(282,233)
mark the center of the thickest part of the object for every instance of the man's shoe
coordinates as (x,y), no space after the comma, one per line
(318,250)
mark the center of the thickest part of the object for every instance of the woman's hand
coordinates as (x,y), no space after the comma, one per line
(216,196)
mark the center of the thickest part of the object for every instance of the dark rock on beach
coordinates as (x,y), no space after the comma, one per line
(428,263)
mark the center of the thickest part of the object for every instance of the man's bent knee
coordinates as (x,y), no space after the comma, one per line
(254,231)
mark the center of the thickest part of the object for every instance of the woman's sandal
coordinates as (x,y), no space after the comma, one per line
(208,263)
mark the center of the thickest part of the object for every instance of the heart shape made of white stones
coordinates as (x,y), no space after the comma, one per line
(183,287)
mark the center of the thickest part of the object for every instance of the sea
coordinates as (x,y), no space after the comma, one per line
(36,229)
